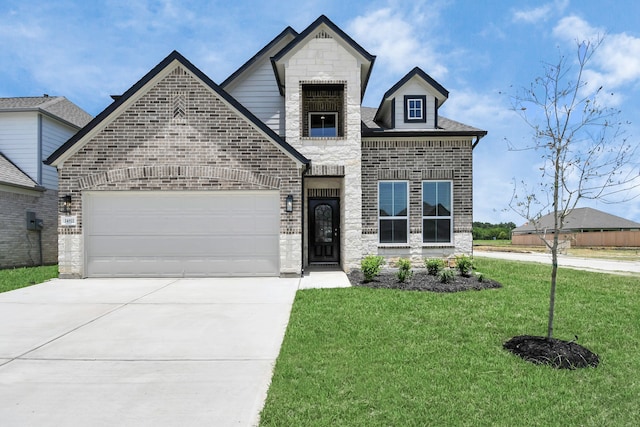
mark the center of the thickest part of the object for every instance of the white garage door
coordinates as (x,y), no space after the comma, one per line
(181,234)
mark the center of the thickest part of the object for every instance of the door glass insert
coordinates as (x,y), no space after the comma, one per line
(324,223)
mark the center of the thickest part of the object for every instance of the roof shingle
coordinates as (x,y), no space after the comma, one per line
(57,106)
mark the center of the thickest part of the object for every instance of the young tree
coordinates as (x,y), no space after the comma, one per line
(582,146)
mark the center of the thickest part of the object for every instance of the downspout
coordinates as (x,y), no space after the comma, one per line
(478,138)
(302,223)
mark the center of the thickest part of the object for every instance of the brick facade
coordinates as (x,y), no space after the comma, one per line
(20,247)
(195,143)
(418,160)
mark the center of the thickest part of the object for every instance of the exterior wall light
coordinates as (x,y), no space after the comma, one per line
(289,203)
(65,204)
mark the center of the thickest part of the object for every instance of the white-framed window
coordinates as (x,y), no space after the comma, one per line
(393,212)
(414,108)
(437,212)
(323,124)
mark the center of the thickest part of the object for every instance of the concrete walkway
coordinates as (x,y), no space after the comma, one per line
(143,352)
(589,264)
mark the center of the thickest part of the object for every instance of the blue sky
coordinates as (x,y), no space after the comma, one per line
(88,50)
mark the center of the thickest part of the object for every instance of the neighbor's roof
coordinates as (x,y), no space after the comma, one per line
(56,106)
(582,219)
(446,127)
(11,175)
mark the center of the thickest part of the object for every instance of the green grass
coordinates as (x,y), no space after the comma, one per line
(492,242)
(372,357)
(15,278)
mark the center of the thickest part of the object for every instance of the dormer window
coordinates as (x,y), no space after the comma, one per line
(415,109)
(323,125)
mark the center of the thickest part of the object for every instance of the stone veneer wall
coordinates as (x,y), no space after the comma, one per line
(416,161)
(19,247)
(325,61)
(179,136)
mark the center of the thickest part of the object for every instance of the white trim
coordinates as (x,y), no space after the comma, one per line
(419,109)
(394,244)
(449,217)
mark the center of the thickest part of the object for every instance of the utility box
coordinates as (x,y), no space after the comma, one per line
(34,223)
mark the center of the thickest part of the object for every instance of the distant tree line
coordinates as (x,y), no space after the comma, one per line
(488,231)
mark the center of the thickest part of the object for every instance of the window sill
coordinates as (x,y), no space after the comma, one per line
(394,245)
(323,138)
(438,245)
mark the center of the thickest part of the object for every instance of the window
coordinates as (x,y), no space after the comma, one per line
(323,124)
(437,219)
(393,203)
(323,107)
(414,108)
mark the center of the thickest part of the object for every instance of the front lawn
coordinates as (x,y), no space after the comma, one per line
(381,357)
(14,278)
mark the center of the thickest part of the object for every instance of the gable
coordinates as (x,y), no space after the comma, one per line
(171,109)
(323,28)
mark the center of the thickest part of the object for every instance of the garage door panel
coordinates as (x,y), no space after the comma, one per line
(138,234)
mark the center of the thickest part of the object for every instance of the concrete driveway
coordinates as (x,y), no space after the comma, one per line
(140,352)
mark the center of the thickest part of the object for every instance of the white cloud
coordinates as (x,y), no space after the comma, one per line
(540,13)
(616,63)
(398,39)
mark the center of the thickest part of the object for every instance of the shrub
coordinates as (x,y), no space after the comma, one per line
(464,265)
(404,270)
(434,265)
(446,276)
(480,277)
(371,265)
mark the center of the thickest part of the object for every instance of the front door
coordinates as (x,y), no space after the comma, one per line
(324,231)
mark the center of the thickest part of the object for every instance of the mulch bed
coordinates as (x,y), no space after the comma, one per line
(422,281)
(556,353)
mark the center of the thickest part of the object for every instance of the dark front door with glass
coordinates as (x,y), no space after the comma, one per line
(324,231)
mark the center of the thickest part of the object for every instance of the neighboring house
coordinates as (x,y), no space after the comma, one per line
(278,168)
(30,130)
(582,227)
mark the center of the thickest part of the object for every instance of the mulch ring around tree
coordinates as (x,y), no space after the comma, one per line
(556,353)
(422,281)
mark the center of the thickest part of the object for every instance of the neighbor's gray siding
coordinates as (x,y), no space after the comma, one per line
(19,141)
(54,134)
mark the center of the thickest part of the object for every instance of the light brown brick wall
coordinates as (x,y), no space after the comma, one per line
(205,146)
(19,247)
(417,161)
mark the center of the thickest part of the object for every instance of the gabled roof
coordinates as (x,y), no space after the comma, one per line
(58,107)
(439,92)
(102,119)
(365,57)
(288,34)
(581,219)
(11,175)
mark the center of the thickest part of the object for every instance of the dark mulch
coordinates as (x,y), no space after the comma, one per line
(557,353)
(422,281)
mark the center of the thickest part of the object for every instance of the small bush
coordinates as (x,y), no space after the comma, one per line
(480,277)
(404,270)
(464,265)
(370,266)
(434,265)
(446,276)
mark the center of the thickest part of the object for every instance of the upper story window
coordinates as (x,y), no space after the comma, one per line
(393,208)
(437,213)
(323,111)
(415,108)
(323,124)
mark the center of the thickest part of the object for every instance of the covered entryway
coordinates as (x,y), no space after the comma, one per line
(181,233)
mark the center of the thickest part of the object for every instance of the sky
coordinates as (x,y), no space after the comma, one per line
(481,52)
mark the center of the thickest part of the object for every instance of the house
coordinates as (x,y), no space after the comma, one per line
(582,227)
(277,168)
(30,130)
